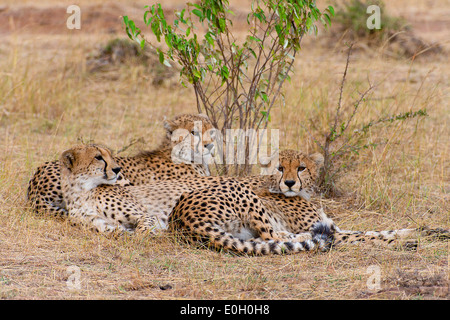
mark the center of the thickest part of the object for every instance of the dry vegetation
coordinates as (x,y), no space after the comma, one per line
(49,100)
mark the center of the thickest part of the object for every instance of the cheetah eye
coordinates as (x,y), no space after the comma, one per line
(280,168)
(301,168)
(100,158)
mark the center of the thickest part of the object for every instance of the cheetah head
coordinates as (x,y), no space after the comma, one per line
(191,137)
(295,173)
(88,166)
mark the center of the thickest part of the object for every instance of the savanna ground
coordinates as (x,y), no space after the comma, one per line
(50,100)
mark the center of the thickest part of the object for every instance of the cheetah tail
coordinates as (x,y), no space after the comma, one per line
(322,237)
(389,238)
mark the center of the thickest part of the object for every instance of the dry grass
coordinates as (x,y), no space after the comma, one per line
(48,101)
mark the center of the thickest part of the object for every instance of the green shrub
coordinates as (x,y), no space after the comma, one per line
(352,16)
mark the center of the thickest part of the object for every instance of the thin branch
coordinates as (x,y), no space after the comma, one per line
(344,77)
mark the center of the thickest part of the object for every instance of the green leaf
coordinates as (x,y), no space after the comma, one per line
(278,29)
(225,72)
(198,13)
(196,73)
(331,10)
(327,17)
(160,11)
(161,56)
(264,96)
(308,23)
(222,25)
(265,115)
(145,17)
(209,15)
(254,39)
(209,38)
(168,39)
(252,52)
(195,5)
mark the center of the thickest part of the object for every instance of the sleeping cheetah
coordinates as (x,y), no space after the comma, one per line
(229,215)
(172,160)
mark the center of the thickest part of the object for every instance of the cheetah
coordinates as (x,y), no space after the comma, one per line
(88,176)
(93,200)
(158,198)
(254,215)
(273,218)
(187,136)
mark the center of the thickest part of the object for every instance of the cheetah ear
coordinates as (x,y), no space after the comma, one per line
(318,159)
(169,126)
(266,162)
(67,159)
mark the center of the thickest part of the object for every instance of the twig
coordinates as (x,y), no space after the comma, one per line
(132,142)
(344,77)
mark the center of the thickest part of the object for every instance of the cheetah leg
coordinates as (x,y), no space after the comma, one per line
(57,210)
(149,225)
(260,222)
(98,224)
(39,204)
(103,226)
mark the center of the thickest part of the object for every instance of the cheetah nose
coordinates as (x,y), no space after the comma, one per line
(289,183)
(116,170)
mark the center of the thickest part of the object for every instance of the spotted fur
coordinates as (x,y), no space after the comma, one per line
(249,216)
(274,217)
(229,216)
(93,199)
(180,143)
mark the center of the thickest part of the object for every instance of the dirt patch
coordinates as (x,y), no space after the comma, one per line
(394,44)
(416,282)
(122,51)
(52,20)
(409,45)
(413,283)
